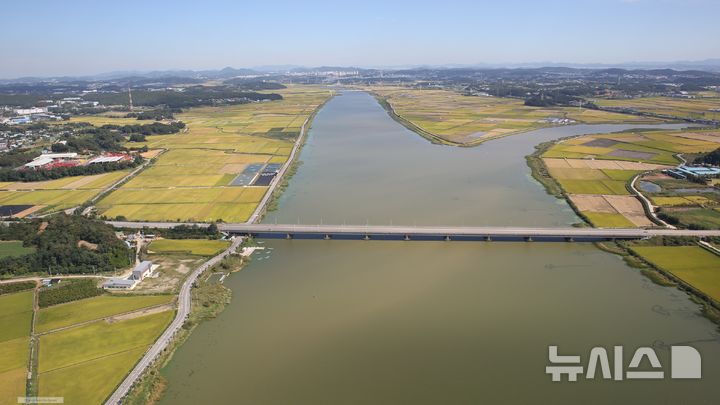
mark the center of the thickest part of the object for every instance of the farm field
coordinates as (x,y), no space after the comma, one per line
(15,317)
(14,248)
(202,247)
(594,171)
(698,108)
(461,119)
(54,195)
(692,264)
(58,316)
(192,180)
(84,364)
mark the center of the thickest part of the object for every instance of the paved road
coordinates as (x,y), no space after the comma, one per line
(257,214)
(183,310)
(570,232)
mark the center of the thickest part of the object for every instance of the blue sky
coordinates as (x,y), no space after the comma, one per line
(84,37)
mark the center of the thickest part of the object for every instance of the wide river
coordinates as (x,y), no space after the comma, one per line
(355,322)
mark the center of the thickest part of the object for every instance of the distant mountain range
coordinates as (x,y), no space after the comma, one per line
(708,65)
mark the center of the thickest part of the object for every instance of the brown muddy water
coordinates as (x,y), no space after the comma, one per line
(390,322)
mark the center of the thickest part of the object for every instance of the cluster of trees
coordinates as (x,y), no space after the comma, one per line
(191,97)
(712,158)
(60,172)
(111,137)
(68,290)
(187,232)
(156,128)
(157,114)
(254,84)
(57,250)
(17,157)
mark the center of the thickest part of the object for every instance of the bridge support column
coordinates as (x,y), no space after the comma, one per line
(327,237)
(569,239)
(488,239)
(288,236)
(407,237)
(528,239)
(366,237)
(447,238)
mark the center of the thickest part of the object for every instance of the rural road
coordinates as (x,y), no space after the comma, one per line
(183,310)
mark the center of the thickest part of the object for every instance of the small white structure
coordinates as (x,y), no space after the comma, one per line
(142,270)
(105,159)
(120,284)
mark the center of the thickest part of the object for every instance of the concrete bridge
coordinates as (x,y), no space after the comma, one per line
(431,233)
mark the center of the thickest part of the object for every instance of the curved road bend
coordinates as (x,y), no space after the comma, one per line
(183,310)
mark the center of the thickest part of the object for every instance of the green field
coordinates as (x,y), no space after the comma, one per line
(707,218)
(84,364)
(14,248)
(98,339)
(594,187)
(202,247)
(89,382)
(88,309)
(15,315)
(608,220)
(692,264)
(15,318)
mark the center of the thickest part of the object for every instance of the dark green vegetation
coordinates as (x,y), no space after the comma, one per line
(191,97)
(712,158)
(157,114)
(60,172)
(254,84)
(15,287)
(111,137)
(68,290)
(186,232)
(58,247)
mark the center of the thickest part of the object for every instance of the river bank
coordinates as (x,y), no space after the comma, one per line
(710,307)
(425,322)
(208,301)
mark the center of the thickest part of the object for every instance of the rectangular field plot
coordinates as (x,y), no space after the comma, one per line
(206,212)
(248,175)
(184,196)
(62,315)
(692,264)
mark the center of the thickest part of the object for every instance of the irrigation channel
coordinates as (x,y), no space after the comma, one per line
(371,322)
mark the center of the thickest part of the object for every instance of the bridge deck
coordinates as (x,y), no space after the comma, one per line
(381,232)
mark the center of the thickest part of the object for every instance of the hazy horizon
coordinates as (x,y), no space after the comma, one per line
(80,38)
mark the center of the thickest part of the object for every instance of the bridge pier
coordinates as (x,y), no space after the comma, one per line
(288,236)
(488,239)
(528,239)
(447,238)
(366,237)
(407,237)
(569,239)
(327,237)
